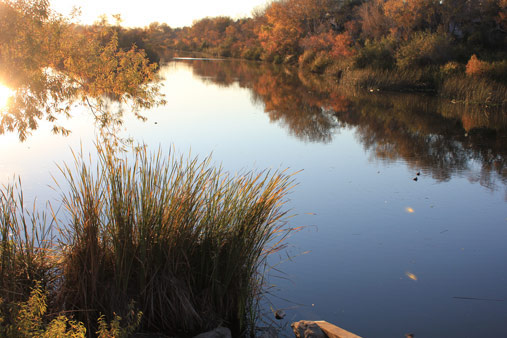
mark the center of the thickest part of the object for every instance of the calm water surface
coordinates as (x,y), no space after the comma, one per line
(381,254)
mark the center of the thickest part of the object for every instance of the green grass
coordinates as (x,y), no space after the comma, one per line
(182,239)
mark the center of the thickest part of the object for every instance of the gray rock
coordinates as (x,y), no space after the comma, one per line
(219,332)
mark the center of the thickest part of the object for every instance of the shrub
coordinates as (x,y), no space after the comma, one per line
(320,62)
(451,68)
(252,53)
(476,67)
(29,321)
(375,55)
(342,46)
(425,48)
(337,45)
(496,71)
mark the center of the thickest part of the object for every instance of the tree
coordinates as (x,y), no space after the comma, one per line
(52,64)
(288,21)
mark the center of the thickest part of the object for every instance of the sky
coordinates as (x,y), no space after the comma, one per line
(142,13)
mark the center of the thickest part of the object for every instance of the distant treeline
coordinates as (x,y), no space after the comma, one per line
(444,38)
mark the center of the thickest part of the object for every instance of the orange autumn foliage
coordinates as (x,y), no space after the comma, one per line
(338,45)
(476,67)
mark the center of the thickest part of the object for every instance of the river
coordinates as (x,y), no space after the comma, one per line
(402,197)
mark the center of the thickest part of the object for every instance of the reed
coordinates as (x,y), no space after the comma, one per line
(475,90)
(401,80)
(27,256)
(183,239)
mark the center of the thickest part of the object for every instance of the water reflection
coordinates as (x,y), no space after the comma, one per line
(438,137)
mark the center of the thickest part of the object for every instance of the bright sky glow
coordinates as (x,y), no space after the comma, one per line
(142,13)
(5,93)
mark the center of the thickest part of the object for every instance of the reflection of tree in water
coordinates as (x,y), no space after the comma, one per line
(409,127)
(438,137)
(285,100)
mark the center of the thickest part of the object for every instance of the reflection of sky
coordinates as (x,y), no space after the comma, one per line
(364,244)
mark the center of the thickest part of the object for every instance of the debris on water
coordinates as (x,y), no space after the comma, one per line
(486,299)
(409,335)
(409,210)
(279,314)
(411,276)
(444,231)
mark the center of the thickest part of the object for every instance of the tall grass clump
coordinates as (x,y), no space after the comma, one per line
(26,251)
(475,90)
(186,241)
(403,80)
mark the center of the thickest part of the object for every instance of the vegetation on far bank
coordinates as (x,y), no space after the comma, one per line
(451,47)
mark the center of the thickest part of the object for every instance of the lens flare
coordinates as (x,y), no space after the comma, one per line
(5,94)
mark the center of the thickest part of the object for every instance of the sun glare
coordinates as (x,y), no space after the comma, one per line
(5,94)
